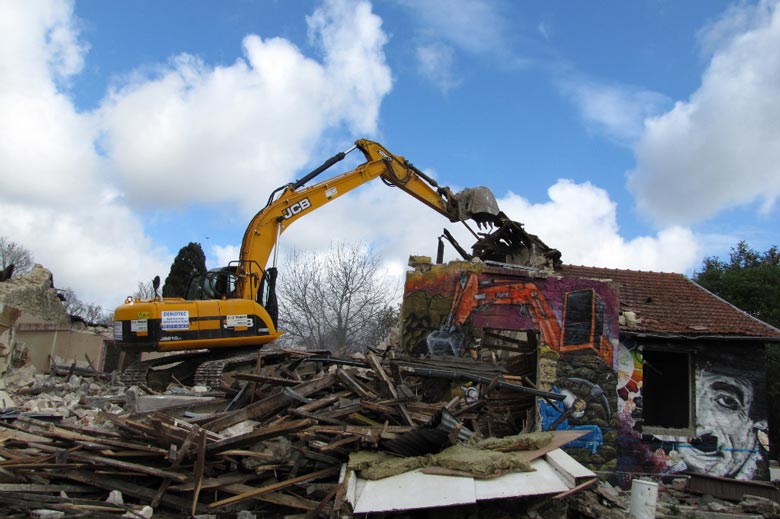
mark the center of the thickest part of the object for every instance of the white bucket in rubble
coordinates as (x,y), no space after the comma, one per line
(644,495)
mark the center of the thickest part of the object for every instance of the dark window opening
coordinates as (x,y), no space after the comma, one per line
(584,319)
(666,390)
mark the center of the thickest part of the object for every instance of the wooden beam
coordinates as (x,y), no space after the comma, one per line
(275,498)
(260,433)
(200,464)
(266,407)
(131,489)
(124,465)
(274,487)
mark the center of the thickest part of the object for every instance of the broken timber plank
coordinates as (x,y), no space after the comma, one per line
(274,381)
(219,482)
(131,489)
(316,418)
(576,489)
(124,465)
(338,499)
(337,444)
(321,506)
(200,464)
(352,383)
(47,430)
(180,455)
(375,363)
(324,402)
(266,407)
(275,498)
(274,487)
(260,433)
(371,432)
(36,487)
(373,360)
(34,502)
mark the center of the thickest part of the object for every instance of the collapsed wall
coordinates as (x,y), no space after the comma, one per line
(42,332)
(34,294)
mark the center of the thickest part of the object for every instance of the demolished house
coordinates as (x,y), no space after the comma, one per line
(660,375)
(37,329)
(512,379)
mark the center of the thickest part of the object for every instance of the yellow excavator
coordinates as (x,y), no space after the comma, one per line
(233,308)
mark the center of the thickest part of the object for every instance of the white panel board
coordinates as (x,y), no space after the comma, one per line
(568,467)
(543,480)
(412,490)
(553,474)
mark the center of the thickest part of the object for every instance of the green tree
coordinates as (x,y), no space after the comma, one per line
(189,261)
(750,280)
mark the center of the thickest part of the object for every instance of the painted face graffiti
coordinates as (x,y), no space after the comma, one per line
(727,438)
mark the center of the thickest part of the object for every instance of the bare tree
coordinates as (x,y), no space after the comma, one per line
(90,312)
(338,302)
(72,303)
(11,253)
(144,291)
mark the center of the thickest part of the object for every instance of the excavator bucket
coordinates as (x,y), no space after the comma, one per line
(478,203)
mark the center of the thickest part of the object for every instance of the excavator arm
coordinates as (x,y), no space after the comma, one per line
(295,200)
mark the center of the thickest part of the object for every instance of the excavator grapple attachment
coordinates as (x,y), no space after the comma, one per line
(477,203)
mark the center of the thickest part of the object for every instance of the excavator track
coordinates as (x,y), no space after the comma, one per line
(135,375)
(210,373)
(201,368)
(138,373)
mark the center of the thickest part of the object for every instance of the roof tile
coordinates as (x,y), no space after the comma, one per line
(669,303)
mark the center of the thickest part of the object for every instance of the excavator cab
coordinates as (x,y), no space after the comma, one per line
(223,283)
(219,283)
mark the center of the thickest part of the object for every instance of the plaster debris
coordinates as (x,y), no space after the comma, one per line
(35,293)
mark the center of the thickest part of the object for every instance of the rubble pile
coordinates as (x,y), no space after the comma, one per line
(274,444)
(280,442)
(605,501)
(35,293)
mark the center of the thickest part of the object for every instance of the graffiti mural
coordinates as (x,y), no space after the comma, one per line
(564,415)
(570,324)
(445,311)
(645,405)
(728,437)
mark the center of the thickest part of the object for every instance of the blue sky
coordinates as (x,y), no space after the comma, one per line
(635,135)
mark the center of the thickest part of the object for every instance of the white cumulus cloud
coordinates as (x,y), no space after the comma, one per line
(614,110)
(55,199)
(721,147)
(196,133)
(185,133)
(580,220)
(445,28)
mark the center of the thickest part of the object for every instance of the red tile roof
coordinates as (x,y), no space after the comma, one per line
(668,303)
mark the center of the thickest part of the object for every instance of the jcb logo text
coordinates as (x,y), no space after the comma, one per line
(296,208)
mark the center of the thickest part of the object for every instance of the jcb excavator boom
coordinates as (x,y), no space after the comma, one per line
(293,201)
